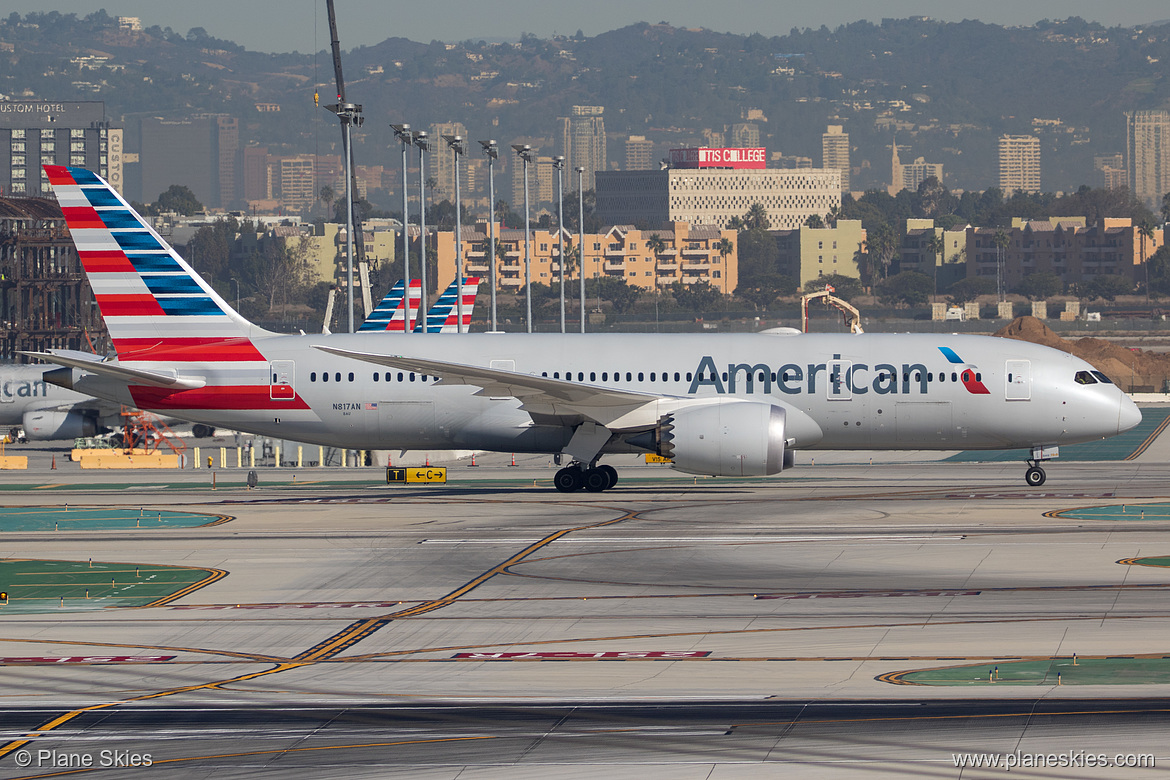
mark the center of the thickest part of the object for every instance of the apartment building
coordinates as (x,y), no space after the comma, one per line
(688,254)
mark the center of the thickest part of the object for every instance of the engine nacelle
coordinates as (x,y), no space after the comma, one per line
(726,439)
(45,425)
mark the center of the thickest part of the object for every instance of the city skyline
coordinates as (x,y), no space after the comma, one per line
(301,25)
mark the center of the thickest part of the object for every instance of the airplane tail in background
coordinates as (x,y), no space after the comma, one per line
(390,313)
(444,315)
(154,304)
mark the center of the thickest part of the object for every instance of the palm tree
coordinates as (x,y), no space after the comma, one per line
(935,245)
(1002,241)
(656,244)
(1145,230)
(756,217)
(725,247)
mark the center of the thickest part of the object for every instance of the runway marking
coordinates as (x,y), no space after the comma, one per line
(68,716)
(355,632)
(705,539)
(743,631)
(1145,445)
(256,657)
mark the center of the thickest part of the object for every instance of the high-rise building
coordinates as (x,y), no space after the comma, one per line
(199,153)
(1019,163)
(542,182)
(36,132)
(745,135)
(639,153)
(441,160)
(1147,154)
(835,152)
(583,141)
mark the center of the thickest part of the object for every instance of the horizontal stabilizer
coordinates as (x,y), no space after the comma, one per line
(135,376)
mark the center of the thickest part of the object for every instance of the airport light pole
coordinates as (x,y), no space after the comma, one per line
(458,149)
(493,152)
(421,140)
(581,238)
(350,115)
(525,153)
(559,164)
(403,134)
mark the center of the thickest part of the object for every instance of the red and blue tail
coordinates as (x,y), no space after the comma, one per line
(390,313)
(153,302)
(444,315)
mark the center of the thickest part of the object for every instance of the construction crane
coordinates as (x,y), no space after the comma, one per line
(849,313)
(359,244)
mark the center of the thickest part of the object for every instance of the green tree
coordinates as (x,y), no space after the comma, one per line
(1039,286)
(614,289)
(1145,231)
(179,199)
(656,244)
(908,288)
(969,289)
(844,287)
(761,291)
(814,221)
(697,297)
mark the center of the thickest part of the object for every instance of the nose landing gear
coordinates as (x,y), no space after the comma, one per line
(594,479)
(1035,475)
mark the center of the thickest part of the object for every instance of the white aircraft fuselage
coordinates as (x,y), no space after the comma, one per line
(720,404)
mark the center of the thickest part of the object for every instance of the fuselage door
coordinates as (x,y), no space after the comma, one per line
(837,387)
(1018,376)
(282,386)
(8,391)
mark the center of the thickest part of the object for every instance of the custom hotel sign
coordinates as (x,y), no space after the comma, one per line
(705,157)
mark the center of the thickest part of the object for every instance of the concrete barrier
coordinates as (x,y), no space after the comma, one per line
(119,461)
(13,462)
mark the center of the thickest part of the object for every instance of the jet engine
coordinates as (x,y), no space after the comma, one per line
(45,425)
(726,439)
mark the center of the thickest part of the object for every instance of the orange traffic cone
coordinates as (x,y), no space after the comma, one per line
(54,466)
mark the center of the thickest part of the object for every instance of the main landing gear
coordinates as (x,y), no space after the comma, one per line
(576,476)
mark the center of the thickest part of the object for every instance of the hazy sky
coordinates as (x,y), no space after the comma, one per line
(301,25)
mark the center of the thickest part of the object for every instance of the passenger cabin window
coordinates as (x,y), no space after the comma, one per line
(1085,378)
(313,376)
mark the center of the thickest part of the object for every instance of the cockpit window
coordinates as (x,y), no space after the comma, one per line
(1085,378)
(1103,379)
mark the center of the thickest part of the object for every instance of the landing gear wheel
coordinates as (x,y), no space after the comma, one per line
(597,480)
(569,479)
(1035,476)
(613,475)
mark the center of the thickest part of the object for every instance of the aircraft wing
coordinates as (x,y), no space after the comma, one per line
(120,372)
(615,409)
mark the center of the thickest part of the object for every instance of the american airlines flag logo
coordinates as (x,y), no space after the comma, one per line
(369,407)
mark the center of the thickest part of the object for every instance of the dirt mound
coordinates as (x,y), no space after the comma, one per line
(1033,330)
(1128,368)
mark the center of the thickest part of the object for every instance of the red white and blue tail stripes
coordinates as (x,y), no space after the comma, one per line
(390,314)
(444,315)
(152,301)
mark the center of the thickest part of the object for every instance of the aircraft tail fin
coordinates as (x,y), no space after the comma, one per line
(444,315)
(153,302)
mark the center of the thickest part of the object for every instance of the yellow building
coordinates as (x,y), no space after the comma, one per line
(687,254)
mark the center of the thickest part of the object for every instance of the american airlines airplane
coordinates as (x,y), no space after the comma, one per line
(716,404)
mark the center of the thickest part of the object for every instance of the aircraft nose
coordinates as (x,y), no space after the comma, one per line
(1129,415)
